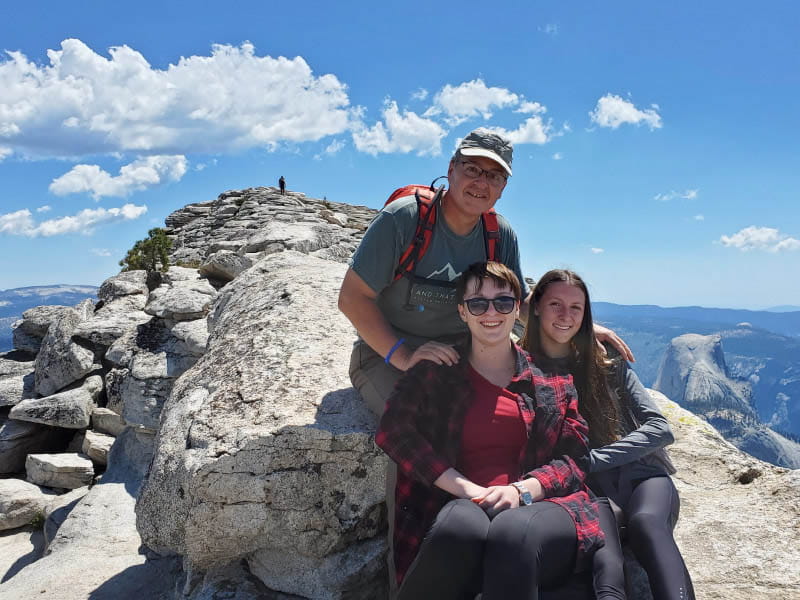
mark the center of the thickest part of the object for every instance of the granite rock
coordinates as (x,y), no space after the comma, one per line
(254,454)
(126,283)
(20,503)
(97,446)
(61,361)
(66,470)
(71,409)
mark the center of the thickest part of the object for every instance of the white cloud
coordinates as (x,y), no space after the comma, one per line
(760,238)
(406,132)
(5,152)
(45,208)
(533,108)
(612,111)
(21,222)
(532,131)
(202,166)
(558,156)
(83,102)
(549,29)
(597,250)
(699,218)
(420,94)
(470,99)
(16,223)
(333,148)
(101,251)
(672,195)
(138,175)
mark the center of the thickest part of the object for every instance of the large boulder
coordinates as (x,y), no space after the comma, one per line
(127,283)
(264,448)
(21,502)
(31,329)
(113,319)
(225,265)
(71,409)
(182,296)
(61,361)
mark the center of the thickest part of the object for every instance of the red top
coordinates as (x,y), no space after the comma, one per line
(493,436)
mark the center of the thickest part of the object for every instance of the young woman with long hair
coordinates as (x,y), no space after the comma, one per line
(490,455)
(627,433)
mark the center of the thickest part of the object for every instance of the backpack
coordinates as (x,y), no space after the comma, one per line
(428,204)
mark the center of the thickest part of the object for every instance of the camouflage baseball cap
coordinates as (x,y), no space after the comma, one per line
(483,142)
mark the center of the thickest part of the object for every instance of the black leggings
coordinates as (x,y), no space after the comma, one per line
(509,556)
(652,512)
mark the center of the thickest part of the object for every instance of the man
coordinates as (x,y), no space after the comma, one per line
(282,185)
(402,322)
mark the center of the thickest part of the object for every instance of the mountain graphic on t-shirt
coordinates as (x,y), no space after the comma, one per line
(447,271)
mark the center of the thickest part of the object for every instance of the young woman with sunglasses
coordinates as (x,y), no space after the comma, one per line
(491,454)
(627,433)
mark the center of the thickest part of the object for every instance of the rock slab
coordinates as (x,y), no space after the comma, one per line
(66,470)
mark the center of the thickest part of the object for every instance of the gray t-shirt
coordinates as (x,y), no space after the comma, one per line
(430,311)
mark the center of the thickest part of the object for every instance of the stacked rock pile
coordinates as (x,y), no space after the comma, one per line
(229,233)
(80,375)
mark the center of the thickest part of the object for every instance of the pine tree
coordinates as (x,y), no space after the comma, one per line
(147,253)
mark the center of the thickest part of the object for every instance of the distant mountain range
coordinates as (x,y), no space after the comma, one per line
(761,348)
(784,308)
(14,302)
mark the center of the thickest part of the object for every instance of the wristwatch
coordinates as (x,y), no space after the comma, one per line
(524,495)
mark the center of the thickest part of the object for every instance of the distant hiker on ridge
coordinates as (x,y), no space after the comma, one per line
(282,185)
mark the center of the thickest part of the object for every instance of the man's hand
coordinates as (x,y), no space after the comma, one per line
(604,334)
(441,354)
(497,499)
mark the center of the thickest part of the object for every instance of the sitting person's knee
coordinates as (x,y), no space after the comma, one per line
(645,524)
(461,522)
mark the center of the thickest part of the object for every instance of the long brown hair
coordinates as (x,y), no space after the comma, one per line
(599,405)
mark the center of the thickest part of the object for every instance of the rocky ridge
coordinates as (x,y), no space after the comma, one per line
(245,452)
(693,372)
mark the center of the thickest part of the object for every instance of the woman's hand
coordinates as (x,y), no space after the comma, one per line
(498,498)
(441,354)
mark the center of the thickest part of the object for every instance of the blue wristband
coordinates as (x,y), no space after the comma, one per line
(395,347)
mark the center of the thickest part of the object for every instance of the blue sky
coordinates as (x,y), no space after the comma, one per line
(656,146)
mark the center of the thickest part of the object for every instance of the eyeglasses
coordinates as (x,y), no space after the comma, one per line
(502,304)
(473,171)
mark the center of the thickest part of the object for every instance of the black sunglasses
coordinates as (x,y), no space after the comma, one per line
(502,304)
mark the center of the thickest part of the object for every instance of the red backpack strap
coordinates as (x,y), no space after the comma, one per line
(491,235)
(427,203)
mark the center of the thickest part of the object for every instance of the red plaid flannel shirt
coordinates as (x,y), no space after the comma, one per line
(421,431)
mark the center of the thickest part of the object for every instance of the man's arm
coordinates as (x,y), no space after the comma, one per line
(358,303)
(604,334)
